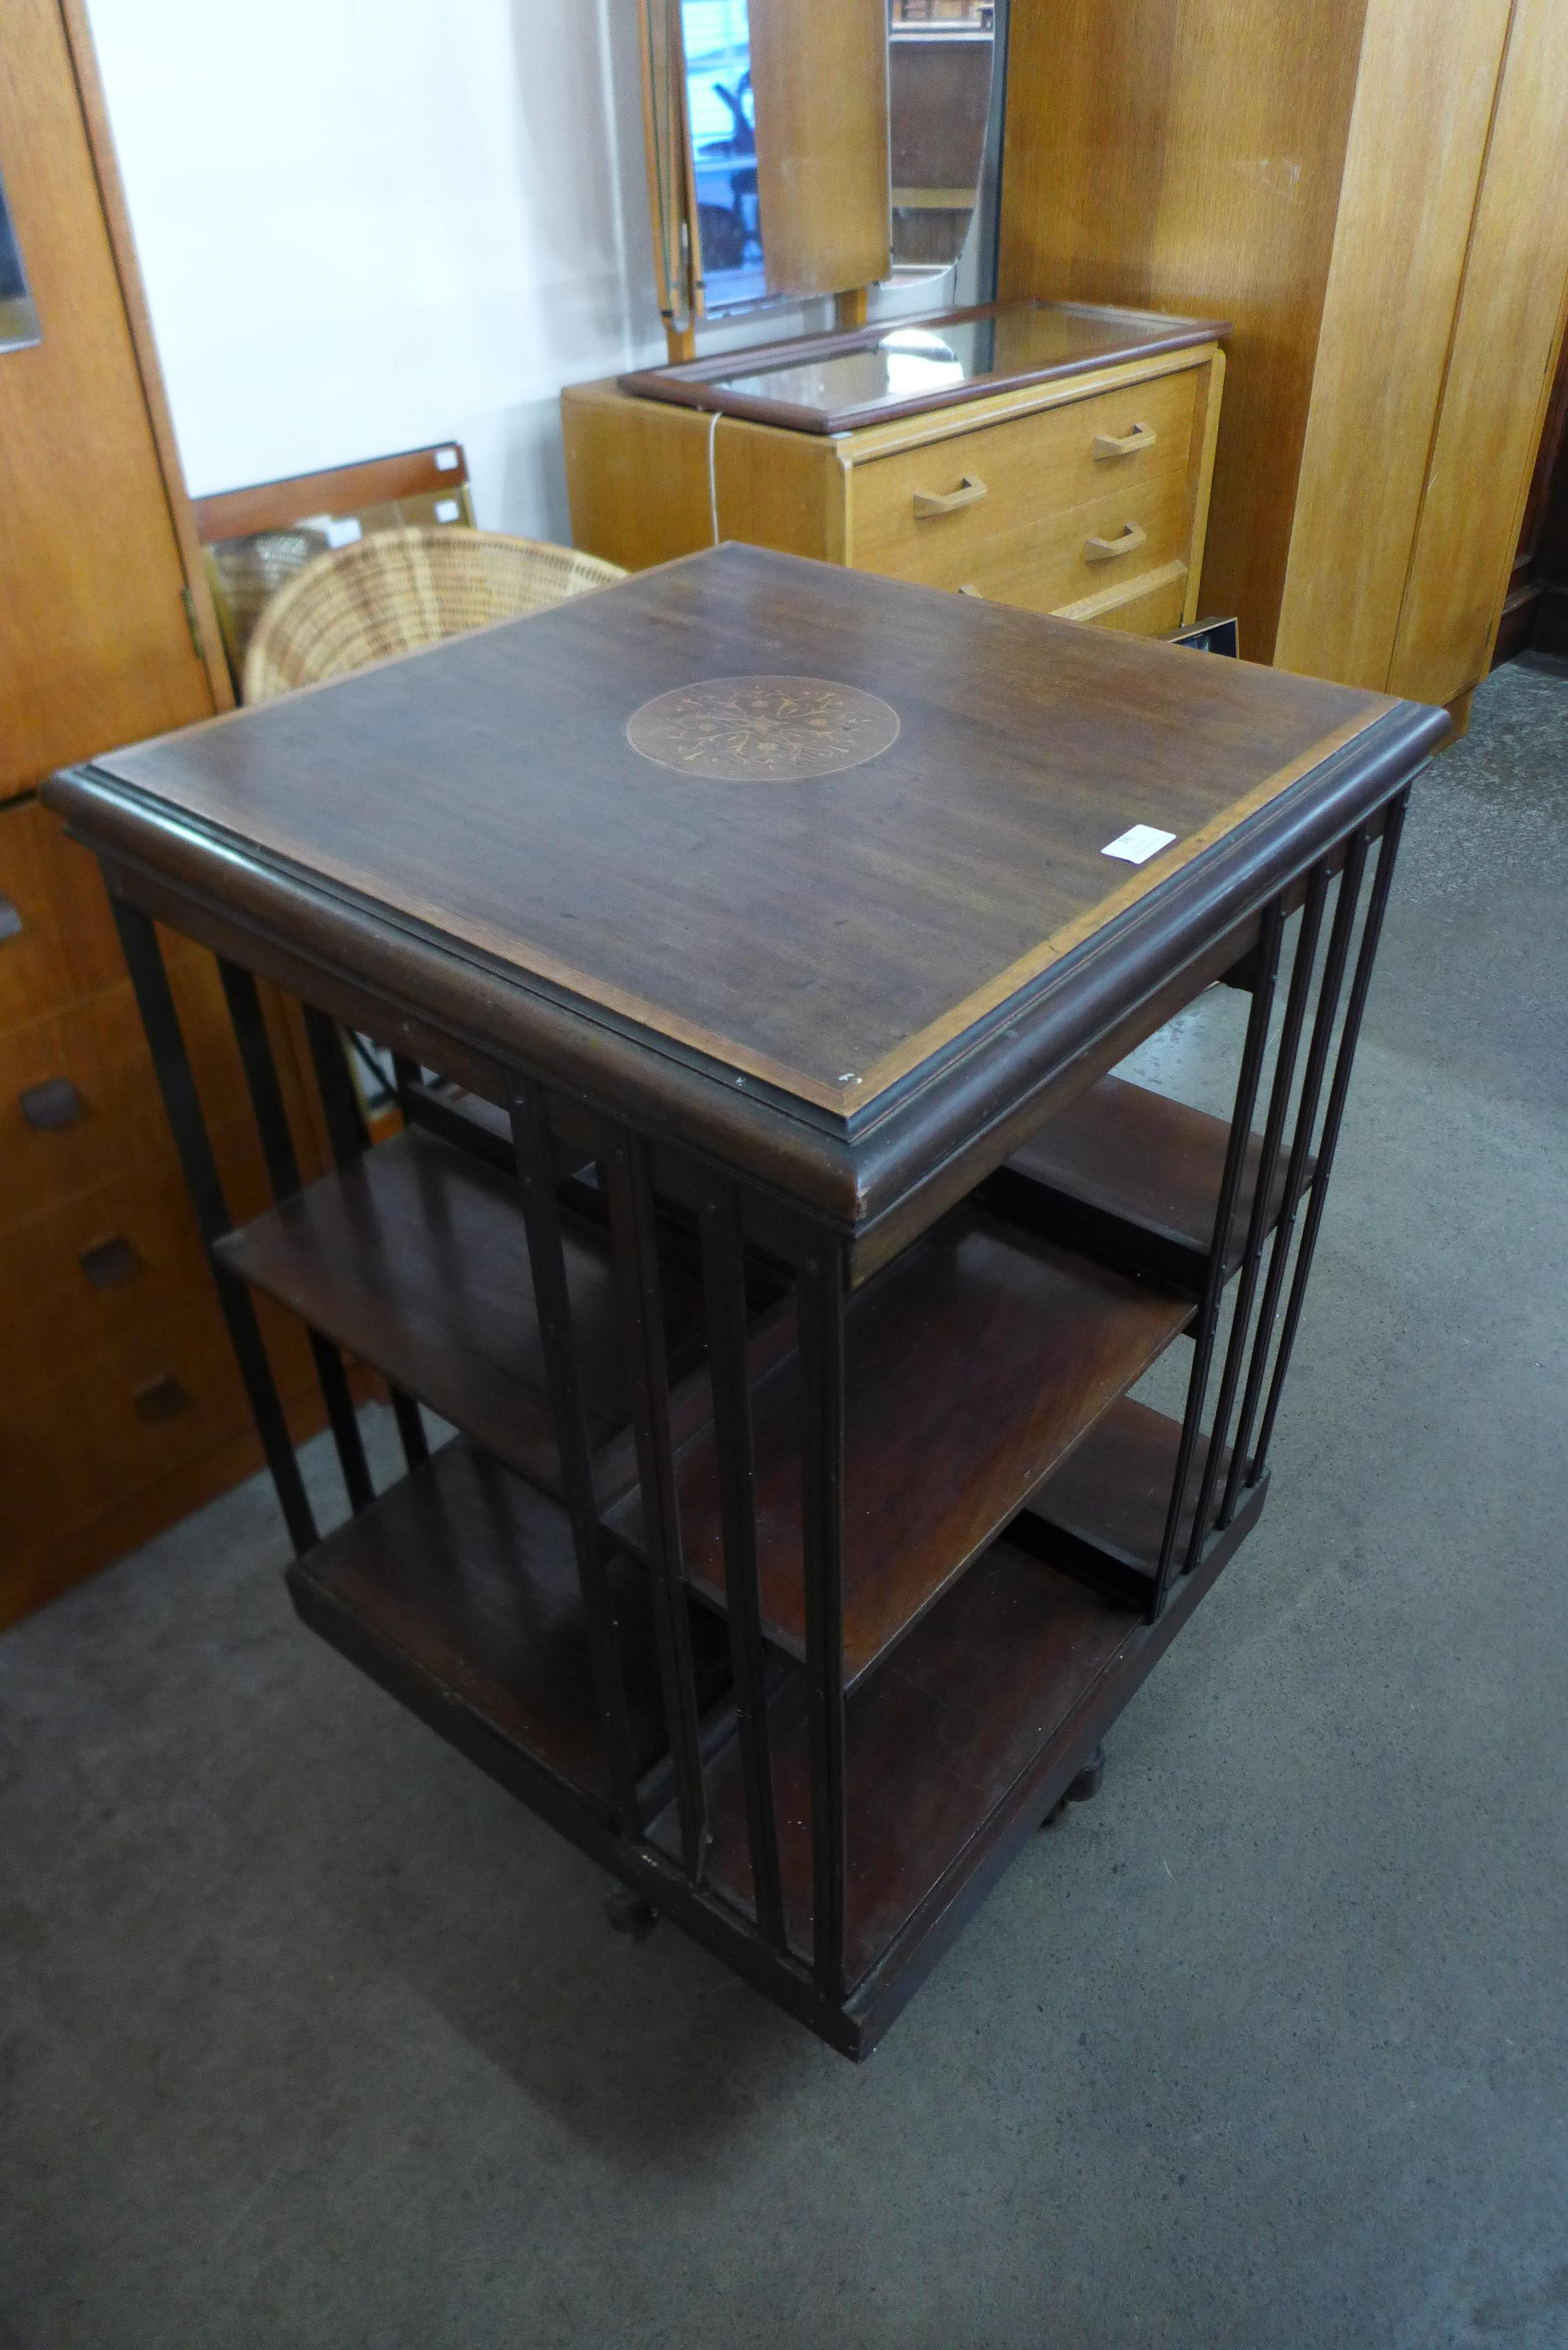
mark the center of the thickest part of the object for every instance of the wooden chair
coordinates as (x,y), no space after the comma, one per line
(402,589)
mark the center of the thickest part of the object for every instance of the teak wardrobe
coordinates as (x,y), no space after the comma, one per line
(1371,191)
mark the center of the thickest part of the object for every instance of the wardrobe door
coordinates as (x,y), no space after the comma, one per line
(95,646)
(1501,365)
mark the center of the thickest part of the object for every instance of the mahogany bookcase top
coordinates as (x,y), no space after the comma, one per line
(789,834)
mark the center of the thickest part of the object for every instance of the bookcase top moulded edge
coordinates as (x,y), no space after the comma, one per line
(795,842)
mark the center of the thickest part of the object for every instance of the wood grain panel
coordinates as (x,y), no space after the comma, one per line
(1505,343)
(416,1259)
(35,963)
(1187,154)
(1149,605)
(465,1574)
(1411,175)
(1039,564)
(139,318)
(74,1440)
(62,1316)
(980,1352)
(819,84)
(1046,493)
(825,955)
(38,1571)
(67,948)
(636,475)
(934,1743)
(97,648)
(99,1048)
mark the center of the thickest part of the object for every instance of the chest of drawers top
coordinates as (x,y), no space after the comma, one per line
(874,375)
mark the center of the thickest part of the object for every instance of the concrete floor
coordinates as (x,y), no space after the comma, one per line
(310,2036)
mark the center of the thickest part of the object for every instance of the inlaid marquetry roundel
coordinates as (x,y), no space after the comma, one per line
(761,730)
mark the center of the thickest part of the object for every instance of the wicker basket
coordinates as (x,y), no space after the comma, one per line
(401,588)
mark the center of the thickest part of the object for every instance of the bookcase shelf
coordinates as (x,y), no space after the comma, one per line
(987,1710)
(1102,1514)
(415,1258)
(1133,1178)
(458,1590)
(973,1365)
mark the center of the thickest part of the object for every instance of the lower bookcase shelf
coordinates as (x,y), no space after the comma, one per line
(458,1591)
(1003,1510)
(934,1743)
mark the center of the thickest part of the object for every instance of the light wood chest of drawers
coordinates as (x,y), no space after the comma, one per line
(1085,496)
(121,1408)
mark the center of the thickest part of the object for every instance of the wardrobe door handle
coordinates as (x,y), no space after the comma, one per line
(10,919)
(1108,444)
(52,1105)
(1106,550)
(932,501)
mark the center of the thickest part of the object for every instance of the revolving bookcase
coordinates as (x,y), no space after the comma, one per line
(767,1219)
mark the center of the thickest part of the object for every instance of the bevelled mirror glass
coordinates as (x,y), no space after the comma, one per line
(940,62)
(809,147)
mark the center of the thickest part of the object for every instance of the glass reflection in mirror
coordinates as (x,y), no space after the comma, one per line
(18,316)
(941,58)
(797,109)
(721,109)
(914,361)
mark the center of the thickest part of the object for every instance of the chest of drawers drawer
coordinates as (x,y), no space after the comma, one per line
(114,1263)
(1039,510)
(78,1100)
(121,1417)
(58,940)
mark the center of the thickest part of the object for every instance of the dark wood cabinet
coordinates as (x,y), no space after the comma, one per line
(769,1221)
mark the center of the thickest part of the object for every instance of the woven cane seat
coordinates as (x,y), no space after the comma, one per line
(398,589)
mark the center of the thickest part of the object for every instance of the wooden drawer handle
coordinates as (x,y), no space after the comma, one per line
(52,1105)
(111,1263)
(1105,550)
(10,919)
(1142,436)
(163,1399)
(929,502)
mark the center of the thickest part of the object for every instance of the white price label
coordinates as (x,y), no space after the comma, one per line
(1139,843)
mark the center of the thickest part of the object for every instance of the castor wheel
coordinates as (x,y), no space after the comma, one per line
(628,1913)
(1081,1790)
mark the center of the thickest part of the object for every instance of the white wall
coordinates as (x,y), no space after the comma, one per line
(366,225)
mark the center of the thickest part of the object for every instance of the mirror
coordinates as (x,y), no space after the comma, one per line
(721,111)
(18,316)
(808,147)
(940,58)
